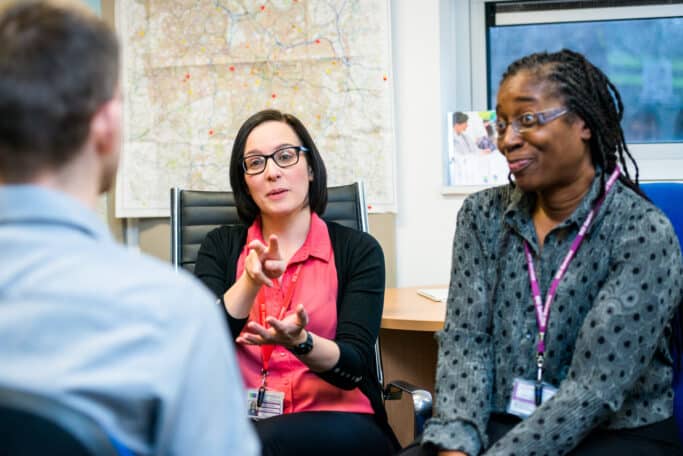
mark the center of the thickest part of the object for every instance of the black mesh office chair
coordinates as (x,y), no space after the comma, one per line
(32,424)
(195,213)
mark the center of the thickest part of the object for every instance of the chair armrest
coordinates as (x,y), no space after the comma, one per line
(422,402)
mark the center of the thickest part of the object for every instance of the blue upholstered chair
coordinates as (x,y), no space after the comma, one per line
(32,424)
(668,196)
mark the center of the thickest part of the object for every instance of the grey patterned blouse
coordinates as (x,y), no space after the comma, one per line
(606,347)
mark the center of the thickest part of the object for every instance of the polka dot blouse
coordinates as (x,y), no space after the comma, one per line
(606,345)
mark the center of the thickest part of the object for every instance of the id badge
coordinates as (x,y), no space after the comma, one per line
(522,400)
(273,404)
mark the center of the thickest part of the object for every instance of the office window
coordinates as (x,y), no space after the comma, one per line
(635,42)
(642,57)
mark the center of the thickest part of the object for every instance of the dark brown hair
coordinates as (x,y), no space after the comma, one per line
(317,190)
(58,66)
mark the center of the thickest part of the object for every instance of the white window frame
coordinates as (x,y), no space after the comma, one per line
(656,161)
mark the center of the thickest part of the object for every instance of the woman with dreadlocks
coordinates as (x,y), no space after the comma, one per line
(563,283)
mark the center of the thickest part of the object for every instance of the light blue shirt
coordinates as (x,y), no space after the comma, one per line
(118,335)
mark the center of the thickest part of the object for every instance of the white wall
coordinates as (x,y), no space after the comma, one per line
(434,73)
(426,219)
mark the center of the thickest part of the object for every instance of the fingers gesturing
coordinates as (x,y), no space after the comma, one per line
(283,332)
(264,263)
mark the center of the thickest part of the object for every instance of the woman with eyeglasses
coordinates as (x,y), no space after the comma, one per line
(563,284)
(303,298)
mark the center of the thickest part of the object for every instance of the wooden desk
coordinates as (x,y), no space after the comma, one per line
(406,310)
(409,349)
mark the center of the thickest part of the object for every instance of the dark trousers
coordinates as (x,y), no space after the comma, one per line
(322,433)
(659,439)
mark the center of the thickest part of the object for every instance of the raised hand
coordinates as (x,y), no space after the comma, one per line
(264,263)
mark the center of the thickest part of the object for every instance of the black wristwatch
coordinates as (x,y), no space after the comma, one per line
(304,347)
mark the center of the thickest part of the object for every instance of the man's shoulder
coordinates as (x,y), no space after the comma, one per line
(137,276)
(156,270)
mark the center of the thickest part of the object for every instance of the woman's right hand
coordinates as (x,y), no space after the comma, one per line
(264,263)
(451,453)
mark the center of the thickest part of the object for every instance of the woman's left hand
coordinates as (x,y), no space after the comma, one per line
(286,332)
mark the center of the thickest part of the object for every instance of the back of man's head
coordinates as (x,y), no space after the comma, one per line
(58,65)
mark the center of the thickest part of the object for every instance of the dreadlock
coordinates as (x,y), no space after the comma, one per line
(588,93)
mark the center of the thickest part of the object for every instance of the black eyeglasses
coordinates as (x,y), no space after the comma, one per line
(283,157)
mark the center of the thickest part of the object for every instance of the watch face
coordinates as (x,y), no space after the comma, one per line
(304,347)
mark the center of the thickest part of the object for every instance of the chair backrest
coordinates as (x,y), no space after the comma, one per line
(668,196)
(195,213)
(34,424)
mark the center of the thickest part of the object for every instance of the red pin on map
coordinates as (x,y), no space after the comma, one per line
(211,132)
(263,7)
(317,41)
(232,68)
(273,96)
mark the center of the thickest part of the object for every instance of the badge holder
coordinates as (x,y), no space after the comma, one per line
(264,403)
(527,395)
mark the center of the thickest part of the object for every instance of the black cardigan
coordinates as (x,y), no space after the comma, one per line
(359,262)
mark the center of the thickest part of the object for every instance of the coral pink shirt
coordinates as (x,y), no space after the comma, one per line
(316,289)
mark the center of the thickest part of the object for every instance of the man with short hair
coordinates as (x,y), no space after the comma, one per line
(462,157)
(462,143)
(119,336)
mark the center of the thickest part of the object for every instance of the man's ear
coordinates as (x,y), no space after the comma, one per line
(105,126)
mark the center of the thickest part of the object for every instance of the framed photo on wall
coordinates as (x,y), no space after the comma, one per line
(473,161)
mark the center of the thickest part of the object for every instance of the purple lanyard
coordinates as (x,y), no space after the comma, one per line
(543,312)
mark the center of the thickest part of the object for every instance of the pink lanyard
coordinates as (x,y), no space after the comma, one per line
(267,350)
(543,312)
